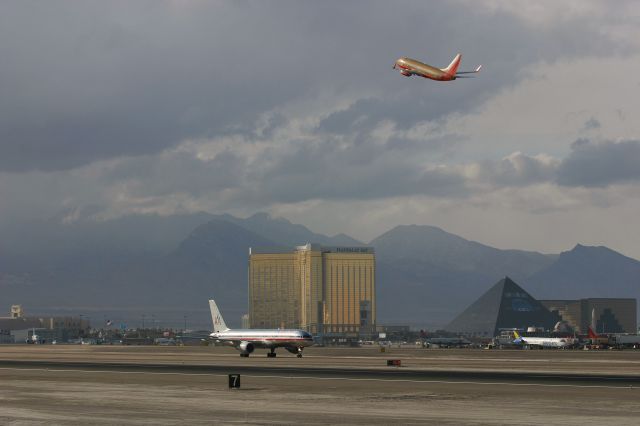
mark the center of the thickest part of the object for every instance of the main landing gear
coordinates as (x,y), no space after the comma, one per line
(271,354)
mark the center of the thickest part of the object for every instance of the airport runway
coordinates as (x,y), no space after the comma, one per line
(177,385)
(517,362)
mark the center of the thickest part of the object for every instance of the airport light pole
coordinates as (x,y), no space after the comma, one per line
(185,324)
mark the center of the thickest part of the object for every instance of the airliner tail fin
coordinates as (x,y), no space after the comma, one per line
(453,66)
(216,317)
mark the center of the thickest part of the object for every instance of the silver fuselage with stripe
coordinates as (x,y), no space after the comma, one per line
(268,338)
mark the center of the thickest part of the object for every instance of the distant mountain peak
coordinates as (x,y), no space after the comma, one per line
(261,216)
(581,250)
(588,271)
(417,230)
(267,217)
(285,232)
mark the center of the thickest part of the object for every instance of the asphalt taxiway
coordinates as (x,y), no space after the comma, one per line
(177,385)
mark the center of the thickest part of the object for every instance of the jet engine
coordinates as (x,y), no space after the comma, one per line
(292,350)
(405,73)
(246,347)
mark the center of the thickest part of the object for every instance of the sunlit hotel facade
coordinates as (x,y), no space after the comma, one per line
(324,290)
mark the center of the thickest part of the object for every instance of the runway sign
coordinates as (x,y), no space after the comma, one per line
(234,381)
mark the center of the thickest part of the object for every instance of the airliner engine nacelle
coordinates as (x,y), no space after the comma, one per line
(246,347)
(405,73)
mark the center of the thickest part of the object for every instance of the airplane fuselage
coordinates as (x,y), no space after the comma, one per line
(268,338)
(549,342)
(247,340)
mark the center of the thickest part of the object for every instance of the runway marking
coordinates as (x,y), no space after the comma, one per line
(449,382)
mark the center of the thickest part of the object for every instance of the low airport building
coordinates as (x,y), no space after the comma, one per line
(328,291)
(16,327)
(603,315)
(504,306)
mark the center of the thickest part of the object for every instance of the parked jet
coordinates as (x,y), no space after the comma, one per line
(592,334)
(409,67)
(597,339)
(544,342)
(448,342)
(246,340)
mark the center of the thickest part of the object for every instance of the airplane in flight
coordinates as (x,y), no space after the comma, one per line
(544,342)
(247,340)
(409,67)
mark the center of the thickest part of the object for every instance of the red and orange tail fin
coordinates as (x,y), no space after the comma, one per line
(453,66)
(592,334)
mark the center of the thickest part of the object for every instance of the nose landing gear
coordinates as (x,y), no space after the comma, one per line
(296,350)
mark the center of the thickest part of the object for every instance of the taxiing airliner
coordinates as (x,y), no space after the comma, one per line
(409,67)
(246,340)
(545,342)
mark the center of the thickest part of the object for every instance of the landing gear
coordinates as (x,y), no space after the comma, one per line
(295,350)
(244,355)
(271,354)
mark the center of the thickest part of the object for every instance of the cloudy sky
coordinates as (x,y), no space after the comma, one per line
(113,108)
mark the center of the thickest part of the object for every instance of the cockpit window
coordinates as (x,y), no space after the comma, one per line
(306,335)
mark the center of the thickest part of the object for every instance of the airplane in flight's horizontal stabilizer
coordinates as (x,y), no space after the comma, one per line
(246,340)
(409,67)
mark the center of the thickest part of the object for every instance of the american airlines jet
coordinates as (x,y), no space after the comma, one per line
(246,340)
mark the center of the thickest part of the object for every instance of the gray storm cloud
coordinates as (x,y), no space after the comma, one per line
(592,164)
(112,108)
(89,81)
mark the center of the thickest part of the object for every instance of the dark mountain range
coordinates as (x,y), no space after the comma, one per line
(170,266)
(437,273)
(428,243)
(210,262)
(587,272)
(287,233)
(126,236)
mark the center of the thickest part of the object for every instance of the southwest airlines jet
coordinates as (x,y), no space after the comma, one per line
(246,340)
(409,67)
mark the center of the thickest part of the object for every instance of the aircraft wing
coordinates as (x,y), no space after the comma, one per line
(413,72)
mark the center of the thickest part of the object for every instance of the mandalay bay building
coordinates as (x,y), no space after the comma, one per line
(328,291)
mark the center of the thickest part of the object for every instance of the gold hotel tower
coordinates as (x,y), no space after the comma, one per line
(324,290)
